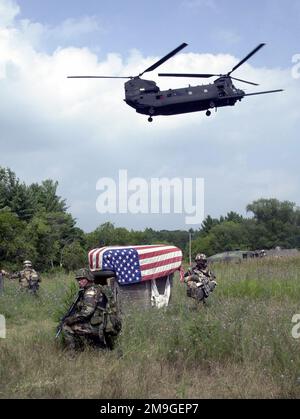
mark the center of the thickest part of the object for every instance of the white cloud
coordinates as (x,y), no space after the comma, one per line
(9,9)
(79,130)
(70,30)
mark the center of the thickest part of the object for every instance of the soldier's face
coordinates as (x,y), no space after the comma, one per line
(83,282)
(202,263)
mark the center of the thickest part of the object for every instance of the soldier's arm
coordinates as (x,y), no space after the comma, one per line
(212,276)
(187,275)
(191,280)
(187,278)
(87,307)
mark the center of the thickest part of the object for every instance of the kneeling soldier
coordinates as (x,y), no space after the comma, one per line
(199,279)
(93,318)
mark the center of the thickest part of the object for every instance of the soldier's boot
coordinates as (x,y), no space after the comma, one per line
(102,338)
(70,339)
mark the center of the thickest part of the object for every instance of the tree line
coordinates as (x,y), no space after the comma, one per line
(35,224)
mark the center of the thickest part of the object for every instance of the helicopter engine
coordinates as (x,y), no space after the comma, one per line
(137,87)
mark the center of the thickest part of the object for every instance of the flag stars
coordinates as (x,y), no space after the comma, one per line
(125,263)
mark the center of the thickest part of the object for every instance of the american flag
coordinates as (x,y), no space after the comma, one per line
(133,264)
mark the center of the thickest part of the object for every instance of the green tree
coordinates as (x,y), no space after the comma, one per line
(222,237)
(280,220)
(208,224)
(73,256)
(13,246)
(45,197)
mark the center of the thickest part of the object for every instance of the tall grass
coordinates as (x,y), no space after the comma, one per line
(238,345)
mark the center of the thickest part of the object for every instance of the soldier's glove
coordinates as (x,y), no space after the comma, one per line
(69,321)
(213,285)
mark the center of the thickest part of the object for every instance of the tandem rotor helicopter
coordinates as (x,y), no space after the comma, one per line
(146,97)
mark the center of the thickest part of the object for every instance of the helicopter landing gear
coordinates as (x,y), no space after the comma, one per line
(151,113)
(208,113)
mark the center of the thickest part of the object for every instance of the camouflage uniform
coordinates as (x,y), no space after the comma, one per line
(95,318)
(200,274)
(29,279)
(2,275)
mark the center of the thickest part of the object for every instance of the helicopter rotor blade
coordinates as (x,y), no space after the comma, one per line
(244,81)
(164,59)
(246,58)
(264,93)
(205,76)
(99,77)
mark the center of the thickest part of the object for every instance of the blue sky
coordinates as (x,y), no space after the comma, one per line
(215,26)
(78,131)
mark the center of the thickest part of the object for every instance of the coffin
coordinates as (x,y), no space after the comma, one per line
(139,275)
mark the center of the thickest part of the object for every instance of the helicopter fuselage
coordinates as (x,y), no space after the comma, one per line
(146,97)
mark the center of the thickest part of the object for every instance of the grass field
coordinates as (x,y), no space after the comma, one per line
(238,346)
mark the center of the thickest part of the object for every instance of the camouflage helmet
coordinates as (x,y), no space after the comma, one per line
(27,263)
(200,257)
(84,273)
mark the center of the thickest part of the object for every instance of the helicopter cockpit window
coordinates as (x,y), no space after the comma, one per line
(149,89)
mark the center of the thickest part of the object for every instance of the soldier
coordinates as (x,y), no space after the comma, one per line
(199,279)
(94,317)
(3,273)
(29,279)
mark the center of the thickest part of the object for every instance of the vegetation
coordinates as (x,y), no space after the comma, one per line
(35,225)
(274,223)
(238,345)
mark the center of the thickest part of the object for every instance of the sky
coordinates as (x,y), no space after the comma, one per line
(78,131)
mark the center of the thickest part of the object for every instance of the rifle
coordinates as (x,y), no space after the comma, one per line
(33,285)
(69,313)
(206,282)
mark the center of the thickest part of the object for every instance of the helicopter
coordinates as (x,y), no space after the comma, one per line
(146,97)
